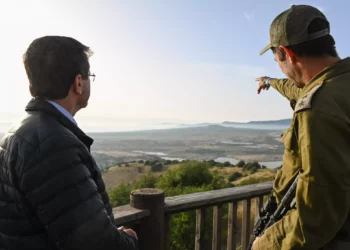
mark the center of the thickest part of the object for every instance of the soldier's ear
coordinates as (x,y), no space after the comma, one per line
(289,54)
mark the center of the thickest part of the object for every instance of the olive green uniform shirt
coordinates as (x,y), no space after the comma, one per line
(318,142)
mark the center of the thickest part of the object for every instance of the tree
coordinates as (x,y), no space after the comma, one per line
(218,182)
(120,195)
(252,165)
(234,176)
(167,162)
(189,174)
(227,164)
(253,169)
(146,181)
(153,163)
(157,167)
(256,164)
(212,163)
(240,164)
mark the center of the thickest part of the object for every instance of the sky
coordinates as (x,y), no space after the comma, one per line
(159,61)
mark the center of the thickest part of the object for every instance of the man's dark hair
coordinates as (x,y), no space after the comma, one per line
(52,63)
(320,47)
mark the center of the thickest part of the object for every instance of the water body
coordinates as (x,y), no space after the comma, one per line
(172,159)
(150,153)
(163,155)
(279,127)
(268,164)
(236,143)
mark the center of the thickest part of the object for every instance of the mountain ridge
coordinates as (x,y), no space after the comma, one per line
(286,121)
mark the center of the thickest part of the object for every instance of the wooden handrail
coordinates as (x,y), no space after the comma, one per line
(127,214)
(194,201)
(148,200)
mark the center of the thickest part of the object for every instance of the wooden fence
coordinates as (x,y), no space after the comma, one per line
(150,211)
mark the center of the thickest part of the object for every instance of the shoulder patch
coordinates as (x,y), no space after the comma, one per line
(305,101)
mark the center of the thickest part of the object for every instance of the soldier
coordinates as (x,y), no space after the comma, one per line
(318,140)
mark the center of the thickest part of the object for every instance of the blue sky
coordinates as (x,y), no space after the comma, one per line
(159,61)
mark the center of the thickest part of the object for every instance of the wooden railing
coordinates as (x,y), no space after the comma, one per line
(149,214)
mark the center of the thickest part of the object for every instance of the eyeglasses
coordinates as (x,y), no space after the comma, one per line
(93,76)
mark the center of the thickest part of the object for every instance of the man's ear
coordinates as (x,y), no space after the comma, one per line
(290,55)
(77,85)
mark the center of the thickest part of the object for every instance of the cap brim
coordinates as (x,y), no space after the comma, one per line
(267,47)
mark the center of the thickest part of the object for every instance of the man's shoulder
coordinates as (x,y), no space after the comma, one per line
(330,96)
(326,103)
(35,130)
(305,102)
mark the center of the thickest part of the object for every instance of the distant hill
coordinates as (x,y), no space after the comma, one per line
(251,124)
(270,122)
(270,125)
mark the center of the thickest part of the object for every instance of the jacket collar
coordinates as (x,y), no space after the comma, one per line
(41,105)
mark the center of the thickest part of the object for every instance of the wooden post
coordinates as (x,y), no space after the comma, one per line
(167,232)
(232,226)
(217,227)
(200,229)
(151,234)
(258,205)
(245,224)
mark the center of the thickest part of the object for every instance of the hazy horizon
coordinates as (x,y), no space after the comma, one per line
(164,61)
(93,125)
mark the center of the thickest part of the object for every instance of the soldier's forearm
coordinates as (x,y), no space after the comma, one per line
(285,87)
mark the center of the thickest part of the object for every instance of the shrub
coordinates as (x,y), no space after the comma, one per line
(240,164)
(234,176)
(146,181)
(157,167)
(227,164)
(167,162)
(120,195)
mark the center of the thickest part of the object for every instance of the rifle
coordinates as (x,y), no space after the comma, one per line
(272,213)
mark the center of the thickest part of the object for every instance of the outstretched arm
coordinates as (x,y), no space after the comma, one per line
(284,86)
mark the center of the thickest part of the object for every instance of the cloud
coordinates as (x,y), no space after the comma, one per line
(249,15)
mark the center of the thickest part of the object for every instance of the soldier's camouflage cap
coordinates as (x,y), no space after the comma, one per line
(291,27)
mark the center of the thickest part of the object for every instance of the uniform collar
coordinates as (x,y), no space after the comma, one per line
(327,73)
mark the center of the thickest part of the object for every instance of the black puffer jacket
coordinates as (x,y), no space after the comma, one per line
(52,195)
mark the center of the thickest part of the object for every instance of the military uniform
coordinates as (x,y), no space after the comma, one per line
(318,143)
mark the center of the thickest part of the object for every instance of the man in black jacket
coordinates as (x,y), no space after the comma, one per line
(52,195)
